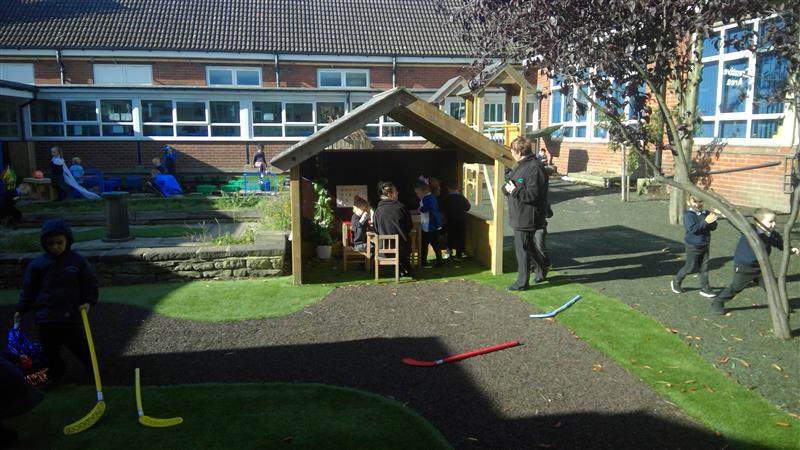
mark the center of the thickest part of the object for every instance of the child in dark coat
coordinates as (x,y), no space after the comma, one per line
(392,217)
(698,223)
(359,223)
(170,160)
(57,284)
(454,208)
(8,213)
(430,223)
(746,268)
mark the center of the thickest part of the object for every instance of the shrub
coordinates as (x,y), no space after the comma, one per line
(276,213)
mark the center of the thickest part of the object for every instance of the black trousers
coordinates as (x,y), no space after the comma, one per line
(456,238)
(742,276)
(430,238)
(57,335)
(540,242)
(528,259)
(696,258)
(11,212)
(61,188)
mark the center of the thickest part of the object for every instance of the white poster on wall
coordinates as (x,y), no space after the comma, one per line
(346,192)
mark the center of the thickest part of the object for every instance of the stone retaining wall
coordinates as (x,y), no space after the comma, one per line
(150,265)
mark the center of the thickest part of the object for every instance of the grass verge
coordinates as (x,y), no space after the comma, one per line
(225,416)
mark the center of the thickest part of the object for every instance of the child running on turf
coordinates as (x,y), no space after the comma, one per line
(746,268)
(359,223)
(57,284)
(430,223)
(698,223)
(454,208)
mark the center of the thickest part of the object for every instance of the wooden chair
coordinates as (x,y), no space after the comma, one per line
(387,253)
(347,248)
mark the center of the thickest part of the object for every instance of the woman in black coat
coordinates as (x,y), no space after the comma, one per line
(392,217)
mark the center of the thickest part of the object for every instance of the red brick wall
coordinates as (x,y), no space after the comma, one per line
(380,77)
(178,73)
(46,72)
(295,75)
(431,77)
(78,72)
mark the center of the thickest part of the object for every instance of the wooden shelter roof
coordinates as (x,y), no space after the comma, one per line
(411,111)
(502,75)
(450,87)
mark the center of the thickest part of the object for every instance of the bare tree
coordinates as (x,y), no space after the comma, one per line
(611,49)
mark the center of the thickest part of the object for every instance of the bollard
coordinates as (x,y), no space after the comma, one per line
(116,207)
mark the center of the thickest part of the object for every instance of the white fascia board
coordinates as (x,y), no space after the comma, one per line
(270,57)
(9,92)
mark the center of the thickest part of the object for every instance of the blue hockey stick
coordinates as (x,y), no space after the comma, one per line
(556,311)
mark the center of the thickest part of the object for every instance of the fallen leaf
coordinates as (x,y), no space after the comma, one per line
(472,439)
(690,381)
(287,439)
(597,367)
(689,337)
(738,339)
(665,383)
(672,330)
(557,424)
(782,424)
(698,338)
(724,359)
(760,333)
(795,415)
(777,367)
(546,445)
(744,363)
(692,388)
(646,367)
(710,390)
(458,312)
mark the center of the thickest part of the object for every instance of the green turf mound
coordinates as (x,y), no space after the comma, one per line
(244,416)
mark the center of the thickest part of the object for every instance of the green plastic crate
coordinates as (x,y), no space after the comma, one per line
(206,188)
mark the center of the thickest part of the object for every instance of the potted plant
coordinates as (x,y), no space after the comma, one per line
(323,220)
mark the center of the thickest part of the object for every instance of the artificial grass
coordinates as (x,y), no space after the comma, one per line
(30,242)
(648,350)
(225,416)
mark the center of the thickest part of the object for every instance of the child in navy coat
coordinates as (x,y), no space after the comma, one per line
(698,223)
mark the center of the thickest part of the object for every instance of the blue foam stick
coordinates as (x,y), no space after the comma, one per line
(556,311)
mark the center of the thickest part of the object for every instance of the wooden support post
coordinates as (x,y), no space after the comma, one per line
(297,238)
(624,186)
(469,111)
(523,111)
(498,221)
(488,184)
(508,115)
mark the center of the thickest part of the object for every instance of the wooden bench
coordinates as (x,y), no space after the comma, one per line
(39,186)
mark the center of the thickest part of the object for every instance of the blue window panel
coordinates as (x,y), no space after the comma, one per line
(737,39)
(582,100)
(568,106)
(705,129)
(735,82)
(600,132)
(733,129)
(707,98)
(567,131)
(765,129)
(771,76)
(556,100)
(580,132)
(765,30)
(637,104)
(711,45)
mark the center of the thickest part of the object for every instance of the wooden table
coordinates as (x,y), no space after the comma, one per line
(39,186)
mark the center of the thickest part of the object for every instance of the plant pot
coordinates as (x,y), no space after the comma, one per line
(324,251)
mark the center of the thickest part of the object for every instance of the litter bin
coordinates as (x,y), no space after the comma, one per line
(116,208)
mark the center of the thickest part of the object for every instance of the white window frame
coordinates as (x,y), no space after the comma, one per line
(31,124)
(212,124)
(68,122)
(125,72)
(173,114)
(572,97)
(343,78)
(448,104)
(17,72)
(234,75)
(112,122)
(721,58)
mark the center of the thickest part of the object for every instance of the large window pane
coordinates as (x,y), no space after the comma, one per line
(247,77)
(735,81)
(556,100)
(299,112)
(224,112)
(8,112)
(116,111)
(46,111)
(220,76)
(529,112)
(83,130)
(157,130)
(456,110)
(707,99)
(766,30)
(81,111)
(157,111)
(583,101)
(395,131)
(711,45)
(7,130)
(765,129)
(733,129)
(355,79)
(705,129)
(267,112)
(192,130)
(330,79)
(329,111)
(191,111)
(771,76)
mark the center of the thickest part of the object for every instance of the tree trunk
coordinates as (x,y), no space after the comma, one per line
(676,204)
(787,241)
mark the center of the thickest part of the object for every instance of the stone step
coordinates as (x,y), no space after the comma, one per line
(92,218)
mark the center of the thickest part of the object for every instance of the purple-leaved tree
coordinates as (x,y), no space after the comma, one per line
(636,54)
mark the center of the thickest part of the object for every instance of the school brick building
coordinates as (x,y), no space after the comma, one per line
(113,81)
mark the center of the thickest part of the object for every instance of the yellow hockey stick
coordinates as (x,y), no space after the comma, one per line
(94,415)
(147,420)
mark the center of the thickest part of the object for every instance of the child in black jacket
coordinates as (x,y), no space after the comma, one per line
(359,224)
(698,223)
(454,207)
(746,268)
(57,284)
(9,214)
(392,217)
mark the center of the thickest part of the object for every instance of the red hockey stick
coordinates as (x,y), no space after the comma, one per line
(459,357)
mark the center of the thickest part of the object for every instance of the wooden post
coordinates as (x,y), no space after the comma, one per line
(469,111)
(623,182)
(297,238)
(508,115)
(523,110)
(498,221)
